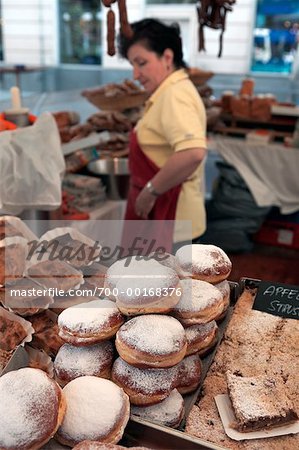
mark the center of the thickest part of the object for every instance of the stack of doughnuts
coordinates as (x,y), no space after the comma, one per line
(83,366)
(86,329)
(205,298)
(152,364)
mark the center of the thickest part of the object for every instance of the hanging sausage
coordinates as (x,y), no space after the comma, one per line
(125,27)
(212,14)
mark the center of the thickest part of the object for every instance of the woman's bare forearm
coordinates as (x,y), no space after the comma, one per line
(177,169)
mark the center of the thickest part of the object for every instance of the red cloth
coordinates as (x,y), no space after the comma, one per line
(142,170)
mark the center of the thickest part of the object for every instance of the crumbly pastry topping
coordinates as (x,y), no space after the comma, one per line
(255,344)
(12,333)
(4,358)
(259,402)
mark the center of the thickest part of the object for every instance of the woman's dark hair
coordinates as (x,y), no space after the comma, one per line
(156,37)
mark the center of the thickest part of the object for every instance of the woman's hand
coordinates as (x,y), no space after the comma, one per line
(144,203)
(177,169)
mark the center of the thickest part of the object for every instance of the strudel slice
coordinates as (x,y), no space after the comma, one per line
(259,402)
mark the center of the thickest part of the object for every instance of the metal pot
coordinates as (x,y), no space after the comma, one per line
(115,175)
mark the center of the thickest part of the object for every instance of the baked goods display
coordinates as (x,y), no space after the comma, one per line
(259,402)
(200,302)
(21,297)
(104,415)
(58,275)
(68,245)
(72,362)
(169,412)
(89,323)
(31,409)
(224,288)
(144,386)
(14,330)
(116,96)
(13,252)
(46,335)
(138,345)
(257,347)
(204,262)
(157,354)
(201,337)
(144,286)
(95,445)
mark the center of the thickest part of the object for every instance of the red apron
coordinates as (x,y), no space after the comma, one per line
(142,170)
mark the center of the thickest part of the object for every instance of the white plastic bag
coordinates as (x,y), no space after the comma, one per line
(31,167)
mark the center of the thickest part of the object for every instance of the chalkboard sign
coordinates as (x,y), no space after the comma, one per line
(278,299)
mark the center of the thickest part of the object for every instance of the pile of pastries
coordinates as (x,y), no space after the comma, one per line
(135,350)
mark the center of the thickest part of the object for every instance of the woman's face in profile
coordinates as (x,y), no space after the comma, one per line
(149,68)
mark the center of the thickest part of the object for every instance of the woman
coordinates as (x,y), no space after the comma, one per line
(168,145)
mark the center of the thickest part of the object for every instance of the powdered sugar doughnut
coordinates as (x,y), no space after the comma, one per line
(224,288)
(72,362)
(89,323)
(151,341)
(94,445)
(169,412)
(189,374)
(200,302)
(201,337)
(144,286)
(32,407)
(97,409)
(144,386)
(204,262)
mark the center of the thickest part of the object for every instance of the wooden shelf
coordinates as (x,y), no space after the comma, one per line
(279,127)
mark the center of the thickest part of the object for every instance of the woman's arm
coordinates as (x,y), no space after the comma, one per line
(176,170)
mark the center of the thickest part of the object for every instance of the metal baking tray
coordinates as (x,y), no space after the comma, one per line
(248,283)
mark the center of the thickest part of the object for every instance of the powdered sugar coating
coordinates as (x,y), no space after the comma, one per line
(197,295)
(154,334)
(168,412)
(258,398)
(189,373)
(94,408)
(28,408)
(88,317)
(224,288)
(197,259)
(140,273)
(200,331)
(72,362)
(145,381)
